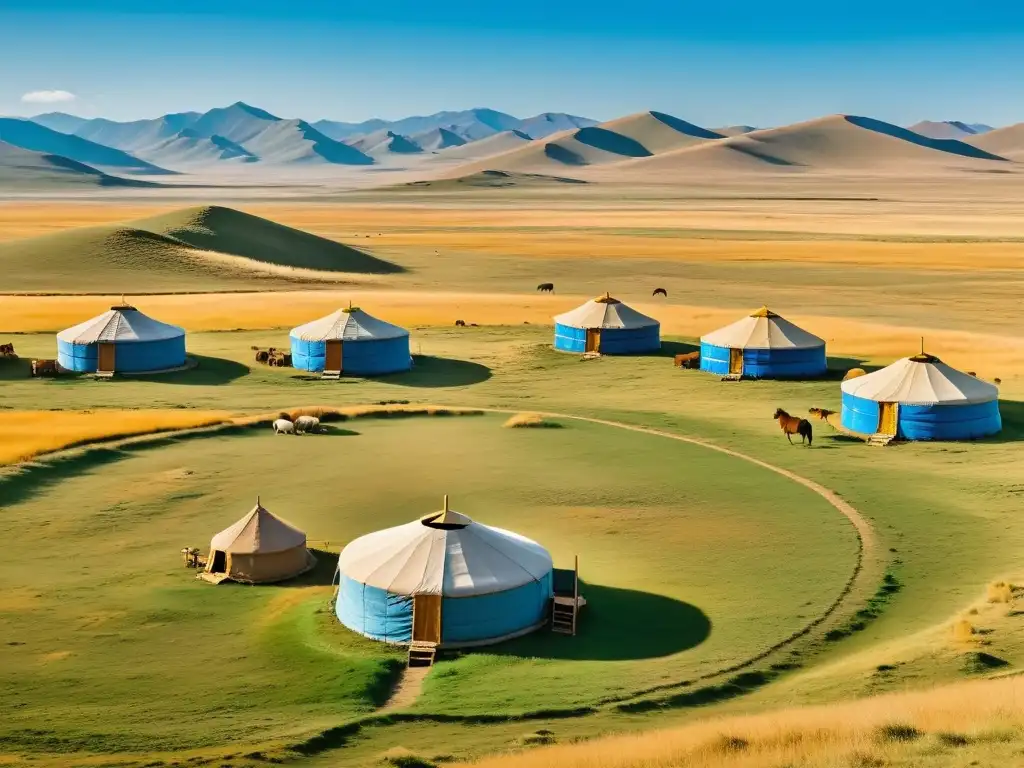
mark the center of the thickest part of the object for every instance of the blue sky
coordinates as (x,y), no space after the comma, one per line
(714,62)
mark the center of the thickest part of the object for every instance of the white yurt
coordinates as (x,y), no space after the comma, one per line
(608,326)
(763,345)
(444,579)
(121,340)
(921,398)
(351,341)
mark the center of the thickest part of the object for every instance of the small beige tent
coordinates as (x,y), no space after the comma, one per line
(259,548)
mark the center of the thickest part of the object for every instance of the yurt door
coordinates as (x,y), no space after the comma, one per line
(736,361)
(333,362)
(426,619)
(888,418)
(105,358)
(593,340)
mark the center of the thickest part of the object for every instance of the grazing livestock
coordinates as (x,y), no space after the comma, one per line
(460,323)
(305,424)
(998,381)
(283,427)
(44,368)
(791,425)
(821,413)
(7,350)
(660,292)
(689,360)
(546,287)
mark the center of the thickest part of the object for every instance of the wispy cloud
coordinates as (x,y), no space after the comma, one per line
(48,97)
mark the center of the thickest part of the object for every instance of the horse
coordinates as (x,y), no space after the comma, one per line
(660,292)
(791,425)
(821,413)
(546,287)
(688,360)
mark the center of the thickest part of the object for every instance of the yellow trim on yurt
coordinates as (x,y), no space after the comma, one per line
(763,312)
(607,299)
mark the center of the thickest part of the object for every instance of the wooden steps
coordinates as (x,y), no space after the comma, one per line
(880,439)
(422,654)
(330,375)
(563,615)
(733,377)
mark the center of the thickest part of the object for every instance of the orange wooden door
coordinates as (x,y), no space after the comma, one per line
(426,619)
(333,362)
(888,418)
(105,355)
(736,361)
(593,340)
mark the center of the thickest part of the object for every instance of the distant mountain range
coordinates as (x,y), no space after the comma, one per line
(61,147)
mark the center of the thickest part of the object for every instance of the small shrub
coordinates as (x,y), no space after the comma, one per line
(952,739)
(963,631)
(897,733)
(400,757)
(536,738)
(730,744)
(530,420)
(979,661)
(885,668)
(1000,592)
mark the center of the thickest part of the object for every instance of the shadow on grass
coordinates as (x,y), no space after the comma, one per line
(618,625)
(322,574)
(838,367)
(208,371)
(673,348)
(441,372)
(1012,412)
(12,369)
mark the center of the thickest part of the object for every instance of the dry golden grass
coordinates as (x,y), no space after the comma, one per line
(27,434)
(528,421)
(999,592)
(865,732)
(328,413)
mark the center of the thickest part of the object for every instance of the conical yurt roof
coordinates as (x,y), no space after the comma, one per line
(348,324)
(445,553)
(259,532)
(921,380)
(605,312)
(120,323)
(763,329)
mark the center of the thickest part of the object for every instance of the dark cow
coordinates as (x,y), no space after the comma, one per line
(460,323)
(660,292)
(546,287)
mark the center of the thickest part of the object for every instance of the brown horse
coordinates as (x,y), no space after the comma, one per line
(660,292)
(791,425)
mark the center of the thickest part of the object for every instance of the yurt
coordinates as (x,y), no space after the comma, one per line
(763,345)
(607,326)
(444,579)
(121,340)
(259,548)
(921,398)
(350,341)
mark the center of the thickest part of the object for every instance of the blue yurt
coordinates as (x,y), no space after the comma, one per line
(121,340)
(444,579)
(921,398)
(350,341)
(763,345)
(607,326)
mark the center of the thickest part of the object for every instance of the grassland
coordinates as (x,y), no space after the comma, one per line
(652,559)
(872,274)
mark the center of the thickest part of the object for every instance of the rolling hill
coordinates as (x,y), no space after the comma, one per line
(734,130)
(385,142)
(193,249)
(492,145)
(38,138)
(134,135)
(490,180)
(1008,141)
(187,149)
(948,129)
(643,135)
(296,141)
(837,142)
(23,169)
(549,123)
(437,138)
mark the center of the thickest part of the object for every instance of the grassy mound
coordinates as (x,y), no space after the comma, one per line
(200,248)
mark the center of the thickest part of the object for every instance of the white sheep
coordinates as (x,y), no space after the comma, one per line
(283,427)
(307,424)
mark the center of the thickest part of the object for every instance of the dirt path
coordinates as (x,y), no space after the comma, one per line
(406,690)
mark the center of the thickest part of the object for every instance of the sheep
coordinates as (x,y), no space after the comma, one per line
(283,427)
(305,424)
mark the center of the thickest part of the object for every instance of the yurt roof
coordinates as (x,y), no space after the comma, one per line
(605,312)
(259,532)
(454,557)
(122,323)
(348,324)
(763,329)
(921,380)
